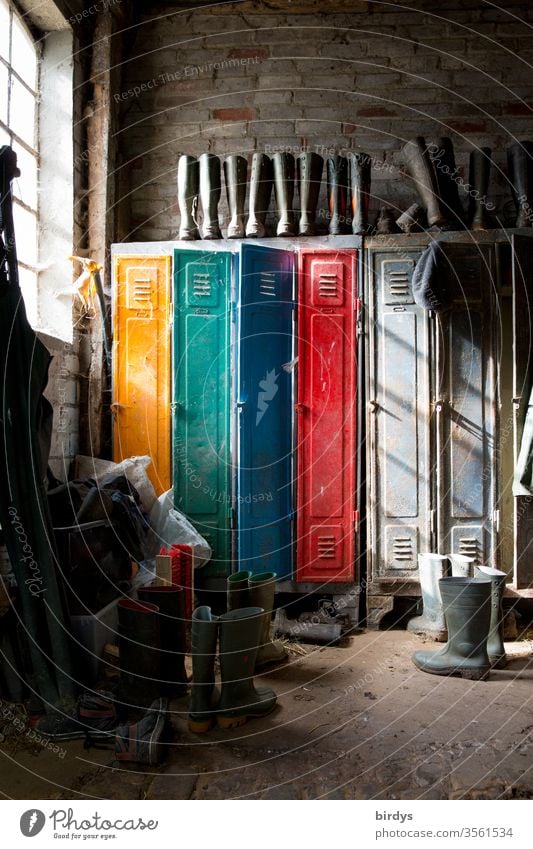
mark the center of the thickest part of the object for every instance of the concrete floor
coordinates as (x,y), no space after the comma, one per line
(353,722)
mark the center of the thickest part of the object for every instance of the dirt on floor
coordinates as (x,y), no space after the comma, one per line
(352,722)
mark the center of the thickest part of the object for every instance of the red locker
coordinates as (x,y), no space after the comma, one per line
(326,416)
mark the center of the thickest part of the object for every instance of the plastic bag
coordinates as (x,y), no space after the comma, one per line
(133,468)
(170,527)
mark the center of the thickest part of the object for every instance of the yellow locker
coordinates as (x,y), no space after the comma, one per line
(141,363)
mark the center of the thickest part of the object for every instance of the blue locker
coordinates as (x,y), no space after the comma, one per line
(264,409)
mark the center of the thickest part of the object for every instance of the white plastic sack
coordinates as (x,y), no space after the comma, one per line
(134,469)
(170,526)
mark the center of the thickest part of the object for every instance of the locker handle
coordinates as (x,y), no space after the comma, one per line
(175,404)
(439,404)
(241,404)
(373,406)
(517,401)
(115,407)
(300,408)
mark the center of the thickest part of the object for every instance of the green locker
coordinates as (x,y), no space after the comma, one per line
(201,398)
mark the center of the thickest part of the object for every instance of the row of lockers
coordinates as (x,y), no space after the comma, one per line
(236,372)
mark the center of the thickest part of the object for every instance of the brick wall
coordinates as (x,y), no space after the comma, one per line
(239,78)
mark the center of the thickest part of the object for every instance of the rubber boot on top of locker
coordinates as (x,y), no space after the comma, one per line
(204,696)
(431,568)
(284,171)
(188,191)
(467,608)
(260,191)
(235,174)
(237,590)
(240,633)
(262,591)
(210,191)
(495,646)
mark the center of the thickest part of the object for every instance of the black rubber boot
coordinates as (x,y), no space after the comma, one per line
(203,699)
(337,183)
(173,631)
(478,178)
(262,592)
(309,169)
(210,190)
(495,646)
(261,180)
(443,161)
(284,169)
(240,633)
(237,590)
(188,191)
(412,220)
(520,167)
(386,222)
(416,160)
(139,648)
(467,609)
(360,167)
(235,175)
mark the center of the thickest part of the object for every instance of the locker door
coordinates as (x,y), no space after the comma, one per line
(201,429)
(522,353)
(399,418)
(141,363)
(326,416)
(264,409)
(466,461)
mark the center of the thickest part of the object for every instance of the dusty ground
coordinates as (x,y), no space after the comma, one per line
(357,722)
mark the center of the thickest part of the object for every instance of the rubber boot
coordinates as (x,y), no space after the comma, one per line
(412,220)
(188,191)
(170,601)
(237,590)
(360,166)
(262,592)
(337,183)
(443,161)
(495,646)
(210,190)
(416,160)
(462,566)
(478,178)
(139,648)
(235,174)
(386,223)
(260,191)
(520,167)
(240,634)
(431,568)
(284,168)
(467,609)
(204,635)
(309,168)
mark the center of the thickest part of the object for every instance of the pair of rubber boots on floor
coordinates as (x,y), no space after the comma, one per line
(244,634)
(466,610)
(152,644)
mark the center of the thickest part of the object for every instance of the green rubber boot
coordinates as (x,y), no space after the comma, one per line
(203,699)
(237,590)
(262,591)
(467,608)
(240,632)
(495,646)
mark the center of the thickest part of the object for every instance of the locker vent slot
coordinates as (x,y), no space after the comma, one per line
(142,290)
(328,285)
(326,547)
(403,548)
(201,284)
(399,283)
(267,284)
(469,546)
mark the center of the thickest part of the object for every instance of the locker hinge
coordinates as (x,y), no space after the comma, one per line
(496,521)
(432,521)
(232,519)
(356,520)
(171,314)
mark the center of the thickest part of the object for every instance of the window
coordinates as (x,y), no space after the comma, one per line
(19,83)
